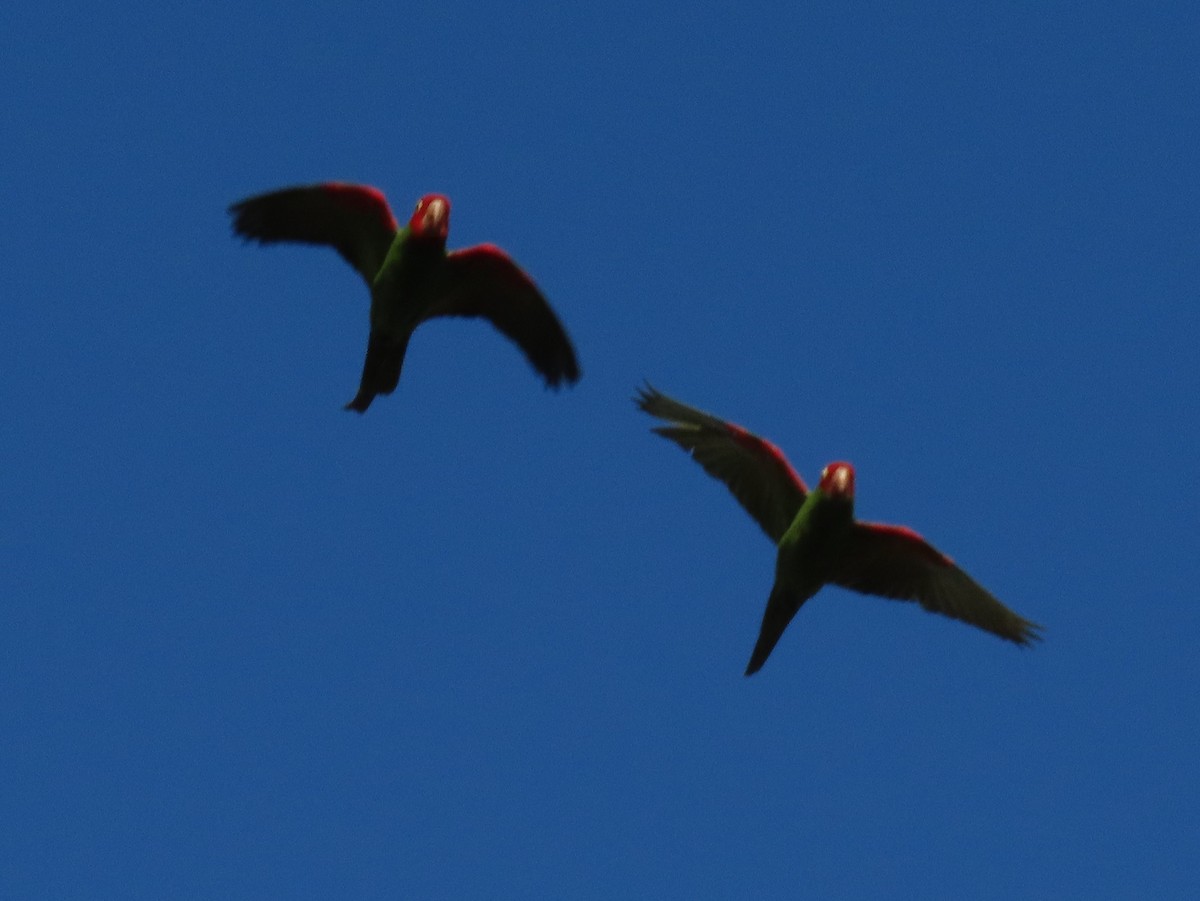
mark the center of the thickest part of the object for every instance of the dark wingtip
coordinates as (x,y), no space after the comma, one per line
(234,211)
(1030,634)
(569,376)
(570,372)
(645,394)
(358,405)
(244,224)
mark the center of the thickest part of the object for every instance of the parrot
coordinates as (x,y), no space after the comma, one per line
(819,542)
(410,275)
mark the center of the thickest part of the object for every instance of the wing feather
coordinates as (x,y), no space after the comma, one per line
(896,562)
(755,470)
(483,281)
(355,220)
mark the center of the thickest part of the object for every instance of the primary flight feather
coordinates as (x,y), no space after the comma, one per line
(411,276)
(818,539)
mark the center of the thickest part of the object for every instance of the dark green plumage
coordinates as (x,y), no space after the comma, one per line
(818,540)
(411,276)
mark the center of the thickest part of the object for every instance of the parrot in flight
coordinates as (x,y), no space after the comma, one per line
(818,539)
(410,275)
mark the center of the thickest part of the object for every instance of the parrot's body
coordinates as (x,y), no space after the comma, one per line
(410,275)
(818,540)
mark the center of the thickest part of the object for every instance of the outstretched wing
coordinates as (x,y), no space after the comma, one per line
(353,219)
(896,562)
(754,469)
(484,281)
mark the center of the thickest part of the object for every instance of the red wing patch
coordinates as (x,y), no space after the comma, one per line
(912,540)
(762,446)
(362,199)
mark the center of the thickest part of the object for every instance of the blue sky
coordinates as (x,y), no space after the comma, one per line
(487,640)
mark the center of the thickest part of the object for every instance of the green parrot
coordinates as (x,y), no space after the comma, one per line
(819,541)
(410,275)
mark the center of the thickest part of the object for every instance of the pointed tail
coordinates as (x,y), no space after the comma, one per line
(782,605)
(381,370)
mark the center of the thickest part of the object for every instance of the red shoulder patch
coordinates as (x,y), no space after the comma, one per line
(362,199)
(762,446)
(912,541)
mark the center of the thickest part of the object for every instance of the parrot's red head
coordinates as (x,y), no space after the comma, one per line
(431,219)
(837,480)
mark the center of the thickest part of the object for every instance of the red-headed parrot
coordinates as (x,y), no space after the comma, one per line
(410,275)
(819,541)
